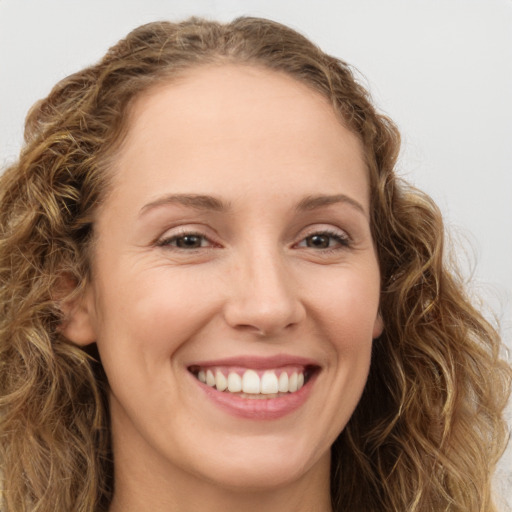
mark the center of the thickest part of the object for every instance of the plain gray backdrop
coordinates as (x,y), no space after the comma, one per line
(442,69)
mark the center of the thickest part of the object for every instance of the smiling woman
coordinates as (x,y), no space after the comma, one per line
(216,294)
(281,284)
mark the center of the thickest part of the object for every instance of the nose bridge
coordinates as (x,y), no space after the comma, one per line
(264,297)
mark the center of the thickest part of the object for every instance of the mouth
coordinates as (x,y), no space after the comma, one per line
(257,388)
(254,383)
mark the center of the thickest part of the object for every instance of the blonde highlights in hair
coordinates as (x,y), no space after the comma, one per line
(428,430)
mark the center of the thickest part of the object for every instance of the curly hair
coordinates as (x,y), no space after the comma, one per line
(429,427)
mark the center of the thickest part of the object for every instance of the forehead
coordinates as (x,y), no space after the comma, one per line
(240,121)
(227,83)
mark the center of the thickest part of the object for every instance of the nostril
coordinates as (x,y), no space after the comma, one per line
(264,318)
(264,331)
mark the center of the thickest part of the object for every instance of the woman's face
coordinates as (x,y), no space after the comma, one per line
(234,248)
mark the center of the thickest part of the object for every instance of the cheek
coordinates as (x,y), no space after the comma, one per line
(344,316)
(152,313)
(347,306)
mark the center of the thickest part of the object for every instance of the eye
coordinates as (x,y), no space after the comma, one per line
(325,240)
(185,241)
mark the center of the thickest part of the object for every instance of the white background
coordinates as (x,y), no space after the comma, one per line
(442,69)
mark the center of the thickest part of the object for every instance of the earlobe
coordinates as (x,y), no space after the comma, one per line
(77,324)
(378,326)
(77,327)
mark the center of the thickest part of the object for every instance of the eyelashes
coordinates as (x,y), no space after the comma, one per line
(322,240)
(325,240)
(186,241)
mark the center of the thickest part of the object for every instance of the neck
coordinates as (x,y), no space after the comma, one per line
(141,489)
(207,498)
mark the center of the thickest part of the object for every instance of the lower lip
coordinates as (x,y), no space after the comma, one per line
(258,408)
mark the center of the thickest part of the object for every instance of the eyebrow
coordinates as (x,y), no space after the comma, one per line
(314,202)
(195,201)
(211,203)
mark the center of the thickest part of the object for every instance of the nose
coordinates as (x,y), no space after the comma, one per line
(263,297)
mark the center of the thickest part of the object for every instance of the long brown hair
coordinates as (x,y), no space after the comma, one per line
(428,430)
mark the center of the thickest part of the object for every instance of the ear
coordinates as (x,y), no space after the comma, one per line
(78,315)
(378,326)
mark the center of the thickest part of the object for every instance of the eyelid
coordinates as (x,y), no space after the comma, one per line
(182,231)
(344,239)
(170,234)
(324,228)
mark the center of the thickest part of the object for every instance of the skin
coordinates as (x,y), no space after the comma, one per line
(256,285)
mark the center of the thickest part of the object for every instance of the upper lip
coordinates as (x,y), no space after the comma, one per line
(258,362)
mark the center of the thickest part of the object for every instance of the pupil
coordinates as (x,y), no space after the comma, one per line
(318,241)
(189,241)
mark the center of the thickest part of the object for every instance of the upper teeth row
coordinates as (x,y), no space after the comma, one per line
(250,382)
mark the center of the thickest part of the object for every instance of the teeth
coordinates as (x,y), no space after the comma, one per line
(300,380)
(292,382)
(283,382)
(210,379)
(251,383)
(234,383)
(269,383)
(221,383)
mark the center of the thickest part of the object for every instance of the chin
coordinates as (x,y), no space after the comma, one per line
(261,469)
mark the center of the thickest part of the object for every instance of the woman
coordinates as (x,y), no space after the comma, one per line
(217,295)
